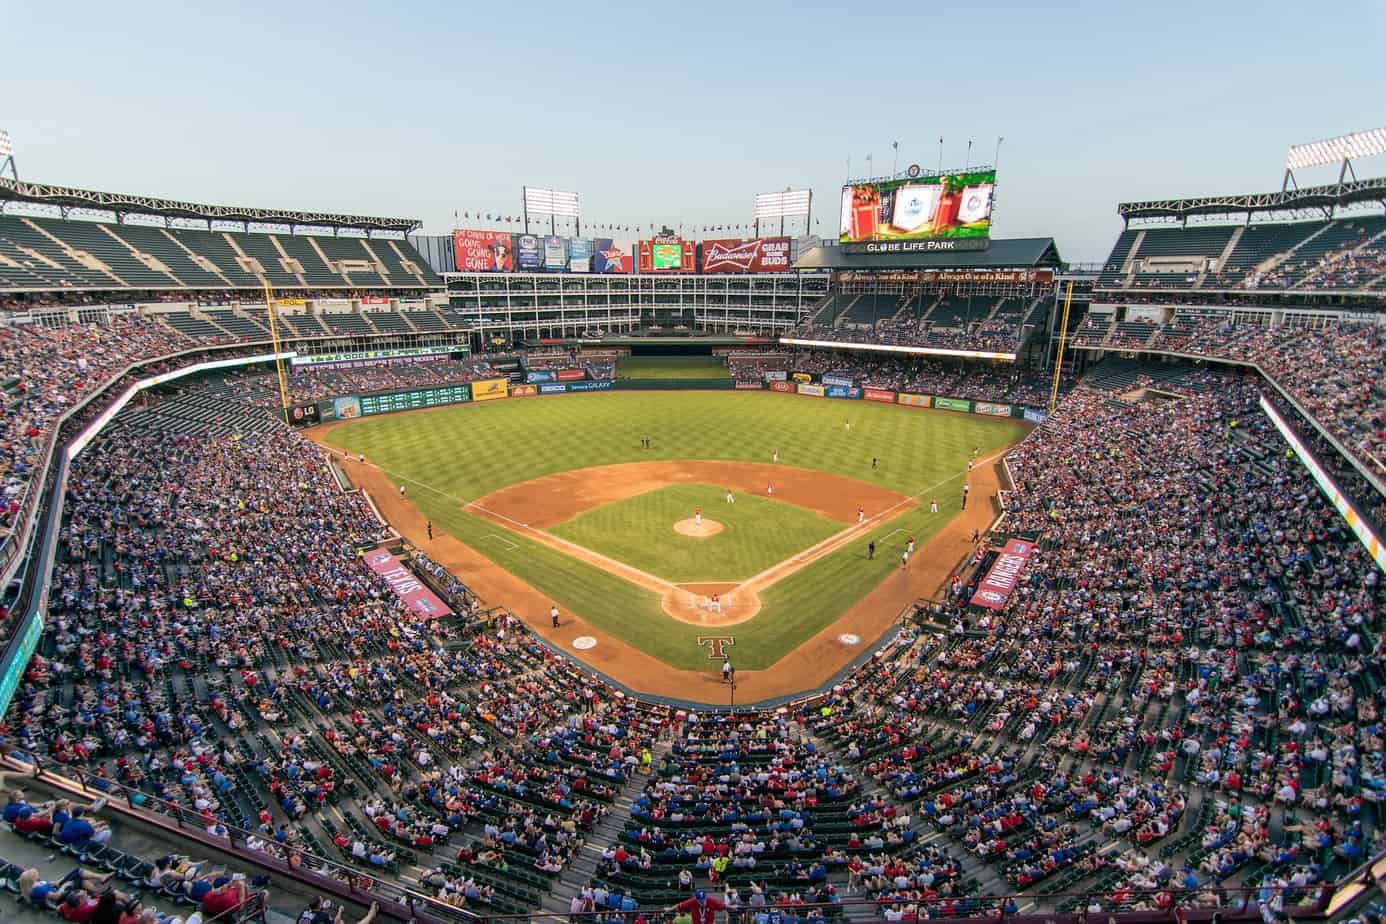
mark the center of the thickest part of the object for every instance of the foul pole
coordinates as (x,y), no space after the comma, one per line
(1063,341)
(273,312)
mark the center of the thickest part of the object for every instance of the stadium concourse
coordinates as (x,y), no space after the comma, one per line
(1177,707)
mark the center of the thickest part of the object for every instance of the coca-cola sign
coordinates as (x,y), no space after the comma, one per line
(758,255)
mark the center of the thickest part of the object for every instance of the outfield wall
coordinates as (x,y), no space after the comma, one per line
(352,407)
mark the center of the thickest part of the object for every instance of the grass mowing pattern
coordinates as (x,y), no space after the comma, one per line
(756,533)
(672,367)
(456,454)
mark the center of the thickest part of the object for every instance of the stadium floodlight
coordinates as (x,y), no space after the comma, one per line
(788,204)
(551,202)
(791,203)
(7,156)
(1336,150)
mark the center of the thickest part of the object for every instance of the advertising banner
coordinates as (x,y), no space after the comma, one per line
(489,389)
(813,391)
(303,415)
(483,251)
(878,394)
(995,410)
(665,253)
(580,255)
(802,377)
(610,256)
(290,302)
(411,591)
(602,385)
(952,206)
(555,253)
(348,408)
(953,404)
(914,400)
(538,375)
(523,391)
(837,380)
(996,588)
(758,255)
(1036,416)
(571,375)
(1012,277)
(374,300)
(748,386)
(552,389)
(843,391)
(776,376)
(782,386)
(529,253)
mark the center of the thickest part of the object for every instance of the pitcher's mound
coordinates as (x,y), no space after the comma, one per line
(689,528)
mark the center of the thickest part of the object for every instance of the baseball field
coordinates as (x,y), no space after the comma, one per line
(703,534)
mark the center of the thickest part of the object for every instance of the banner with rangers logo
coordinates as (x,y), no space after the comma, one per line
(996,588)
(758,255)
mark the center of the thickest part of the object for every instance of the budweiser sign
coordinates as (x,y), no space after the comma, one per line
(758,255)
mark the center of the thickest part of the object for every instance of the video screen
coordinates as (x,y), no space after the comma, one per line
(950,206)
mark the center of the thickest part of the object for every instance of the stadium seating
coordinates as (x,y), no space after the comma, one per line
(53,253)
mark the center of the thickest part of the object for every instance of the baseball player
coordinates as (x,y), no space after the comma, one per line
(933,505)
(714,603)
(401,490)
(861,514)
(905,559)
(847,425)
(698,517)
(966,488)
(909,546)
(726,670)
(730,498)
(775,455)
(553,615)
(770,489)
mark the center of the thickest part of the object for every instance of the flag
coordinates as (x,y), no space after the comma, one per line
(6,145)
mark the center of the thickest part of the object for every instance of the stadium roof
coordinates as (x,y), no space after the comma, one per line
(1015,251)
(70,197)
(1352,192)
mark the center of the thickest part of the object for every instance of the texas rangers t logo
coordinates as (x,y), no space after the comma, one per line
(717,645)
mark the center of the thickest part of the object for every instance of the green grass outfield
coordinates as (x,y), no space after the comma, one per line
(672,367)
(757,532)
(456,454)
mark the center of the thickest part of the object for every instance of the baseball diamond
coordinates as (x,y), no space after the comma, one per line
(591,515)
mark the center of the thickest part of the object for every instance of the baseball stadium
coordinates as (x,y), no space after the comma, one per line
(544,567)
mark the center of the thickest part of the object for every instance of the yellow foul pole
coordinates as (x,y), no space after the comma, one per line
(1059,356)
(273,312)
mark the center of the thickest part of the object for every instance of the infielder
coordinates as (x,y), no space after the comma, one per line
(861,514)
(770,489)
(933,505)
(730,498)
(775,455)
(698,517)
(909,546)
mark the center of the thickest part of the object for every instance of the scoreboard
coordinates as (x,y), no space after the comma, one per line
(415,398)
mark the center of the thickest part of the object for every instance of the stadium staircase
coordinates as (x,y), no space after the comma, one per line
(606,833)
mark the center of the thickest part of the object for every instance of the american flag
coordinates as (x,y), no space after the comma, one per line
(6,145)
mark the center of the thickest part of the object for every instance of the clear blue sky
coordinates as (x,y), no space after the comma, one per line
(681,112)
